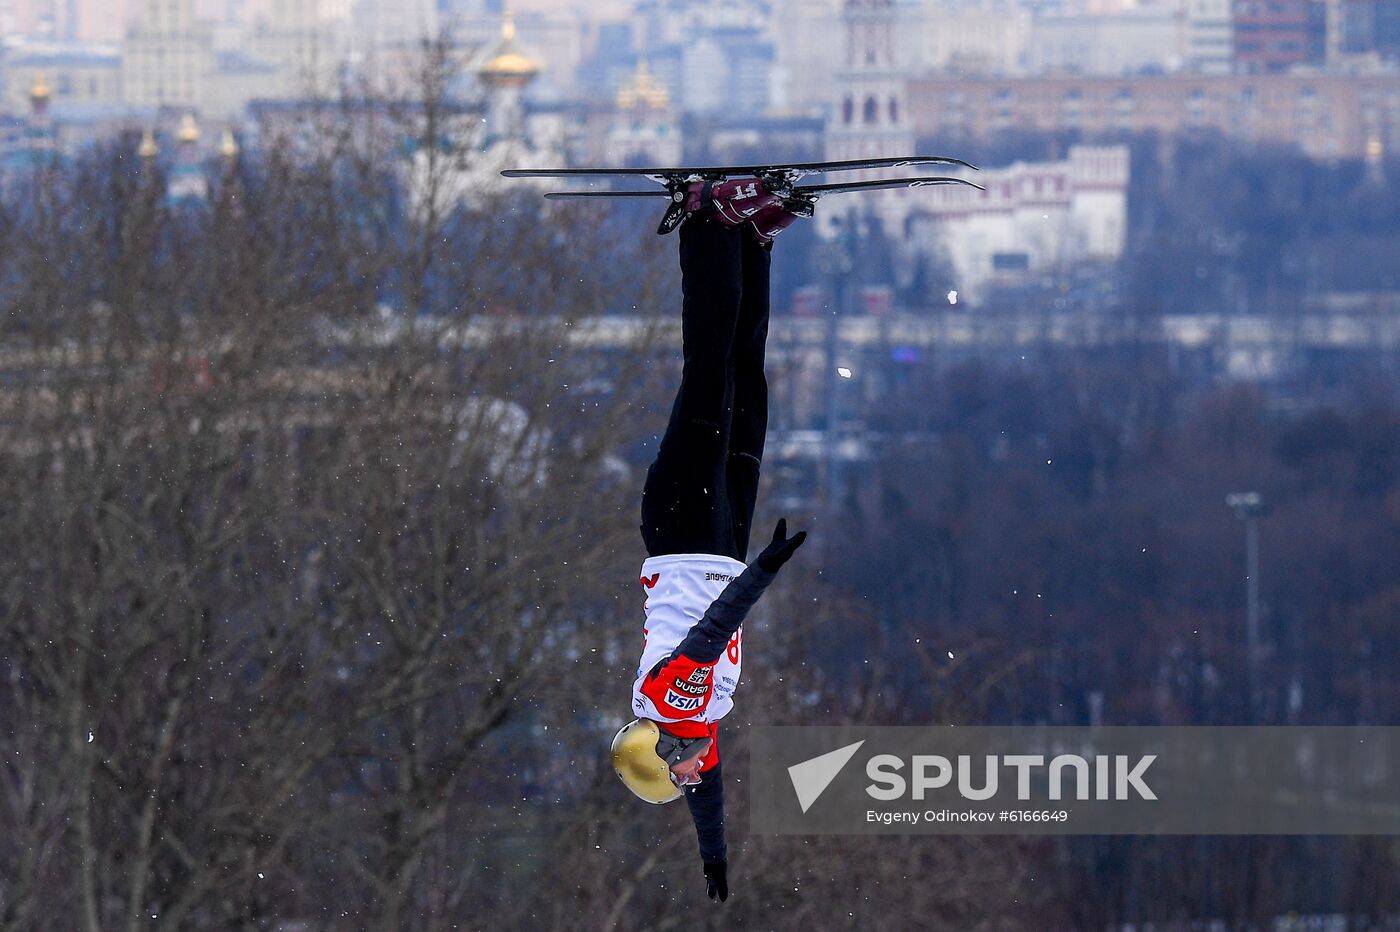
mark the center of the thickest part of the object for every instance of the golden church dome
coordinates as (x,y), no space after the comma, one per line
(509,61)
(643,90)
(189,129)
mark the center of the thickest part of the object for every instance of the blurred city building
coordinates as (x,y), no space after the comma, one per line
(29,144)
(807,38)
(503,131)
(1210,36)
(77,74)
(188,185)
(1134,41)
(295,46)
(70,20)
(1363,27)
(1276,35)
(380,23)
(168,57)
(870,116)
(1032,218)
(963,37)
(672,80)
(644,130)
(1325,115)
(711,57)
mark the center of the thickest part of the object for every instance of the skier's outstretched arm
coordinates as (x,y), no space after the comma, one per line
(706,802)
(707,638)
(703,645)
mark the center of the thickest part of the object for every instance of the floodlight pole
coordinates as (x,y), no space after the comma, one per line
(1248,506)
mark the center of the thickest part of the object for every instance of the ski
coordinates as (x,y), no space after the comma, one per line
(800,199)
(780,179)
(810,191)
(790,171)
(569,195)
(815,191)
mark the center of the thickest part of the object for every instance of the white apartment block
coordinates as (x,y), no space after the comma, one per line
(1033,218)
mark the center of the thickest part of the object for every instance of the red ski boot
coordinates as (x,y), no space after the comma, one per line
(742,201)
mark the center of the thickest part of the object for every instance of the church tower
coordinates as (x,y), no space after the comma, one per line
(644,130)
(188,183)
(869,117)
(505,75)
(40,130)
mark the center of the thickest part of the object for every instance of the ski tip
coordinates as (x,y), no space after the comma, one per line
(961,162)
(940,160)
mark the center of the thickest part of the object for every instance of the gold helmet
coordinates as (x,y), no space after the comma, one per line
(642,755)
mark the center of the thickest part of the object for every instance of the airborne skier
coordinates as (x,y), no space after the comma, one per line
(698,501)
(697,510)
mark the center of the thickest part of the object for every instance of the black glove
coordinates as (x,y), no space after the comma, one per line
(717,885)
(782,548)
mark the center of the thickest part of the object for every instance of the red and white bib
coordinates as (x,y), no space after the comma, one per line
(686,695)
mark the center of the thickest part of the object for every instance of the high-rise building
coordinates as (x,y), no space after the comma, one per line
(1210,36)
(1275,35)
(960,38)
(100,20)
(168,57)
(305,42)
(1365,26)
(806,41)
(727,71)
(67,20)
(393,22)
(1387,29)
(1350,28)
(45,19)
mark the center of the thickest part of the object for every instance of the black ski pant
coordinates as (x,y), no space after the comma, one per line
(700,491)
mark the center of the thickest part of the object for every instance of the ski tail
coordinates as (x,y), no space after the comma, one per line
(572,195)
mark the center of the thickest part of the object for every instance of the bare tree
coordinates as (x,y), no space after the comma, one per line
(303,508)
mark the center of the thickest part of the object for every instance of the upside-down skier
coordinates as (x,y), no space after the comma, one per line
(697,511)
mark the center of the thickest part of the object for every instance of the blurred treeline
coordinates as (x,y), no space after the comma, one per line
(1048,541)
(318,599)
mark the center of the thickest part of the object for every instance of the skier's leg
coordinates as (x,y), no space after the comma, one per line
(749,428)
(685,503)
